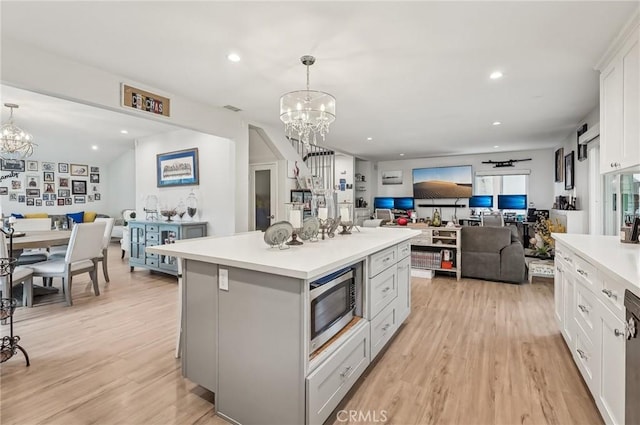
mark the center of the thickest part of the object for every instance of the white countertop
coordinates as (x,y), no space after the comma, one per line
(618,259)
(308,261)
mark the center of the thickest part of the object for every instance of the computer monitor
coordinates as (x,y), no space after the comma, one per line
(383,203)
(481,201)
(405,203)
(512,202)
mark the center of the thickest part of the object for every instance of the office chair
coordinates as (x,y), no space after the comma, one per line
(495,219)
(384,214)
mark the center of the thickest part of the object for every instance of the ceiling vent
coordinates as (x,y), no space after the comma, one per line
(232,108)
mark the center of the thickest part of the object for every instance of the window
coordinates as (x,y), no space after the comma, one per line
(494,183)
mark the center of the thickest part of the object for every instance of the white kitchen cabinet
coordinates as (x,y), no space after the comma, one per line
(620,105)
(558,284)
(568,322)
(610,396)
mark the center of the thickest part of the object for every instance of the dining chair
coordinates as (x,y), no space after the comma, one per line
(30,256)
(21,274)
(84,246)
(105,244)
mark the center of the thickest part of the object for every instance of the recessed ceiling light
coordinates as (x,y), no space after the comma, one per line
(369,138)
(124,132)
(94,147)
(495,75)
(496,123)
(401,154)
(496,147)
(233,57)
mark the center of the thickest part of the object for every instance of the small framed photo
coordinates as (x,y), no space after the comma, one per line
(89,198)
(60,202)
(30,202)
(94,178)
(48,166)
(52,196)
(95,188)
(47,176)
(33,193)
(63,167)
(95,169)
(79,199)
(179,168)
(32,165)
(49,188)
(4,190)
(16,184)
(64,193)
(79,187)
(13,196)
(38,202)
(79,170)
(45,196)
(50,203)
(63,182)
(96,196)
(568,171)
(21,198)
(33,182)
(13,165)
(67,201)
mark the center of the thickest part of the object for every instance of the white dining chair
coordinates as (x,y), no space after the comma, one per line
(21,274)
(30,256)
(105,244)
(84,246)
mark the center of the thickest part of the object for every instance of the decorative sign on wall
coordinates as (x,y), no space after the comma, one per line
(143,100)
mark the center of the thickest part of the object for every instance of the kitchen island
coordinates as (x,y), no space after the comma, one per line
(246,319)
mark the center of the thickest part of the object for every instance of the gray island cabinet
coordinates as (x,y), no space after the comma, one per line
(246,320)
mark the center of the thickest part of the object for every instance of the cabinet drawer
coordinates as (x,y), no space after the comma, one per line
(612,296)
(331,381)
(152,236)
(586,359)
(151,255)
(383,290)
(404,250)
(149,261)
(587,273)
(152,228)
(382,260)
(586,311)
(383,328)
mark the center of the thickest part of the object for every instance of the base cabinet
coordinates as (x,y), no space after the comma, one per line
(611,391)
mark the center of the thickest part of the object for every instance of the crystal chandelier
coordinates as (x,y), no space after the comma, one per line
(307,113)
(16,143)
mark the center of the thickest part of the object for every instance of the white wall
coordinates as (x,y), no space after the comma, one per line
(345,169)
(540,180)
(121,189)
(215,193)
(31,68)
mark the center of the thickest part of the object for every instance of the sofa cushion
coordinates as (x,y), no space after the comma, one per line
(76,217)
(36,215)
(484,239)
(17,215)
(481,265)
(89,216)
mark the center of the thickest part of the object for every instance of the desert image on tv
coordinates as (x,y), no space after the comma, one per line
(440,189)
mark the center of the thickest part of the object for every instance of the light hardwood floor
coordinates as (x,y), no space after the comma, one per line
(472,352)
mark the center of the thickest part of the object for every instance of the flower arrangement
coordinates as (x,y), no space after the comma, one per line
(542,242)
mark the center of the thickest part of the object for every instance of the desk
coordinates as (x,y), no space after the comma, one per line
(41,239)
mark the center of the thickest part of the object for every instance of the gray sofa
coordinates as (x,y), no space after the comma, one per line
(492,253)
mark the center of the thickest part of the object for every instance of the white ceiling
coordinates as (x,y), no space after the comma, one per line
(411,75)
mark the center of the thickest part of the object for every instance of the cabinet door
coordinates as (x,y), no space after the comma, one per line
(136,245)
(610,117)
(630,63)
(558,284)
(568,289)
(404,289)
(611,393)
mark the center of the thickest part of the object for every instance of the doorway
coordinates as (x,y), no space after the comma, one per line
(263,190)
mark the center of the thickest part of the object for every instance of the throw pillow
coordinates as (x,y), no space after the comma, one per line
(17,215)
(89,216)
(76,217)
(36,215)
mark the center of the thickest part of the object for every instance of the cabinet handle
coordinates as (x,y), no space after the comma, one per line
(612,164)
(568,259)
(582,272)
(582,354)
(558,268)
(618,332)
(388,325)
(344,373)
(609,293)
(583,308)
(385,290)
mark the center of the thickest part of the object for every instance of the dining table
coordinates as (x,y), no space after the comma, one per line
(40,239)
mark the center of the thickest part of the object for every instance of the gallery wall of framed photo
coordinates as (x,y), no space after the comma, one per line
(28,185)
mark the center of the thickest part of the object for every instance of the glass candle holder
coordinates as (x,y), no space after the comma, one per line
(295,214)
(323,208)
(192,205)
(345,211)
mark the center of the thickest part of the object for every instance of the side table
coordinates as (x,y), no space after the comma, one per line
(541,268)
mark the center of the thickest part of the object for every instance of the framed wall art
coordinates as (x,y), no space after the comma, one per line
(179,168)
(13,165)
(79,187)
(79,170)
(63,167)
(582,149)
(568,171)
(560,165)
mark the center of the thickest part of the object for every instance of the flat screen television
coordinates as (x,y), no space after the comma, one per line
(481,201)
(512,202)
(442,182)
(383,203)
(403,203)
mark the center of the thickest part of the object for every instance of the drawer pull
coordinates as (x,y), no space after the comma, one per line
(609,293)
(558,268)
(345,372)
(582,354)
(388,325)
(385,290)
(568,259)
(618,332)
(583,308)
(582,272)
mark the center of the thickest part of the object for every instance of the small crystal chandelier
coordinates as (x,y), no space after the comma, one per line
(307,113)
(16,143)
